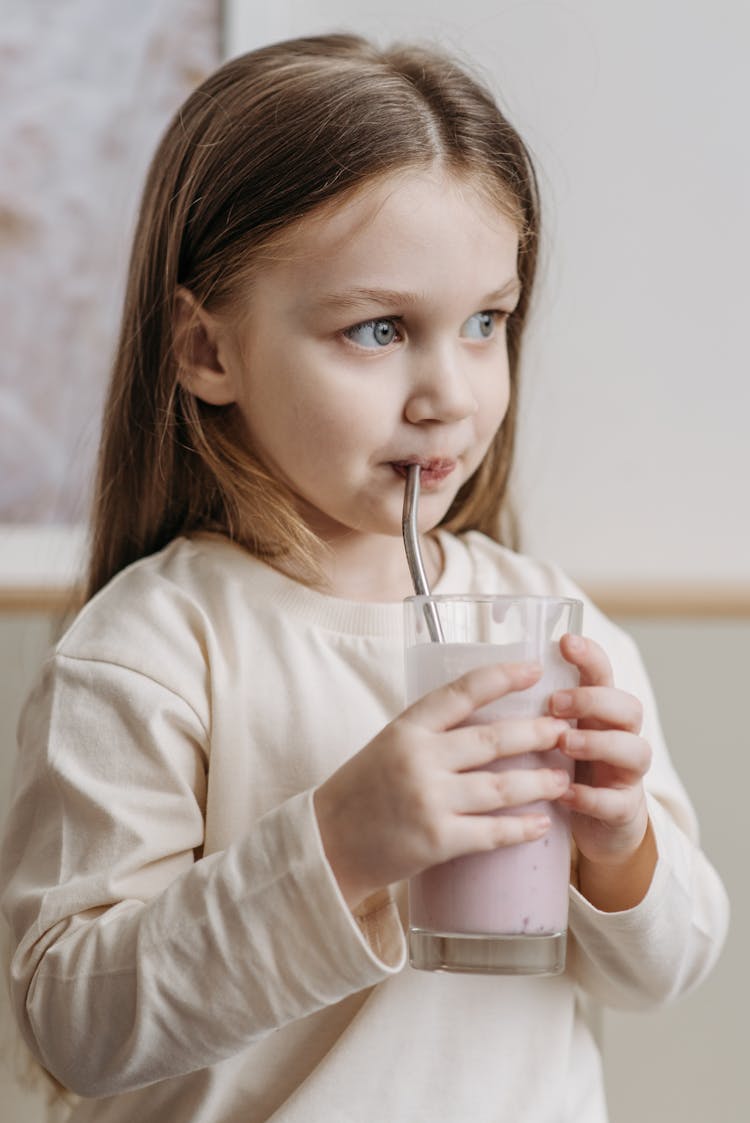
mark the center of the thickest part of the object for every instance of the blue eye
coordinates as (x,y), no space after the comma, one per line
(481,325)
(373,333)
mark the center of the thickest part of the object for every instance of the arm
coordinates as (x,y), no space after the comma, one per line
(649,914)
(664,946)
(136,962)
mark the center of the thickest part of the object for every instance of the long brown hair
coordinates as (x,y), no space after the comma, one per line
(270,137)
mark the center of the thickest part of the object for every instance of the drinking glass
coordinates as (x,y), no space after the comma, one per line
(504,911)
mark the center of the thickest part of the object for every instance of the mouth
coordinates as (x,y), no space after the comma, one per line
(434,469)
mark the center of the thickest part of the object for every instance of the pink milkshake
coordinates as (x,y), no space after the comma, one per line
(504,911)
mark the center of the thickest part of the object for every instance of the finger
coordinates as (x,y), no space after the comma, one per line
(611,746)
(475,745)
(480,792)
(610,707)
(616,807)
(473,833)
(592,661)
(453,703)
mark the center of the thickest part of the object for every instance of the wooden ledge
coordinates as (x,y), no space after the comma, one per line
(49,600)
(651,601)
(717,601)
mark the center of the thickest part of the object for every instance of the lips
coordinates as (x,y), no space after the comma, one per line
(434,468)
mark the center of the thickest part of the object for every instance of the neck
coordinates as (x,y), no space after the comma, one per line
(375,568)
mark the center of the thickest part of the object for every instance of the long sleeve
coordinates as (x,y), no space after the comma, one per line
(670,941)
(136,958)
(665,946)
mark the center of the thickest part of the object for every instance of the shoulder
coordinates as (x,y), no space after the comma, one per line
(161,613)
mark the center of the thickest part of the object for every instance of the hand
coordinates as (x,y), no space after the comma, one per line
(607,799)
(409,799)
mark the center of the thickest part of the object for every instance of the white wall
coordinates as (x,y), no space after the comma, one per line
(688,1063)
(635,455)
(23,641)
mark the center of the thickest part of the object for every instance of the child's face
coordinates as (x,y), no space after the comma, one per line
(378,339)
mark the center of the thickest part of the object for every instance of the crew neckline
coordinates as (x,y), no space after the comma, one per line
(277,592)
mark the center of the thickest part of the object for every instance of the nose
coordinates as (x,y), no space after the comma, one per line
(440,390)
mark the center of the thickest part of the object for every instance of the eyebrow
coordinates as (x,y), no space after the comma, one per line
(359,297)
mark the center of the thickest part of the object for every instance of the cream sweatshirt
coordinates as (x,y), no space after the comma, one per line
(182,951)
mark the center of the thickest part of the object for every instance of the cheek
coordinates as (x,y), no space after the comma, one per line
(354,416)
(330,426)
(493,400)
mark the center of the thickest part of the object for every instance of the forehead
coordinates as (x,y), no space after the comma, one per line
(400,228)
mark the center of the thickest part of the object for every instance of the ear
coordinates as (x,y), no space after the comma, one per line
(196,349)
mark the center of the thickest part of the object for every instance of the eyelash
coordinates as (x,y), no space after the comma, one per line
(394,320)
(500,317)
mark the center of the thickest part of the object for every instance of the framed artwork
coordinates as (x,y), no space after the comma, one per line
(87,89)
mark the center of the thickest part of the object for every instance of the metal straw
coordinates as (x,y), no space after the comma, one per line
(414,554)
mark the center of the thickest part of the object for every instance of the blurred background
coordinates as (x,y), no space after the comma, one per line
(634,463)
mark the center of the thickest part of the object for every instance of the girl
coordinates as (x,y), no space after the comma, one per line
(219,799)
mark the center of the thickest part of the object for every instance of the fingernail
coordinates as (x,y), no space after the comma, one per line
(541,823)
(575,643)
(562,703)
(573,742)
